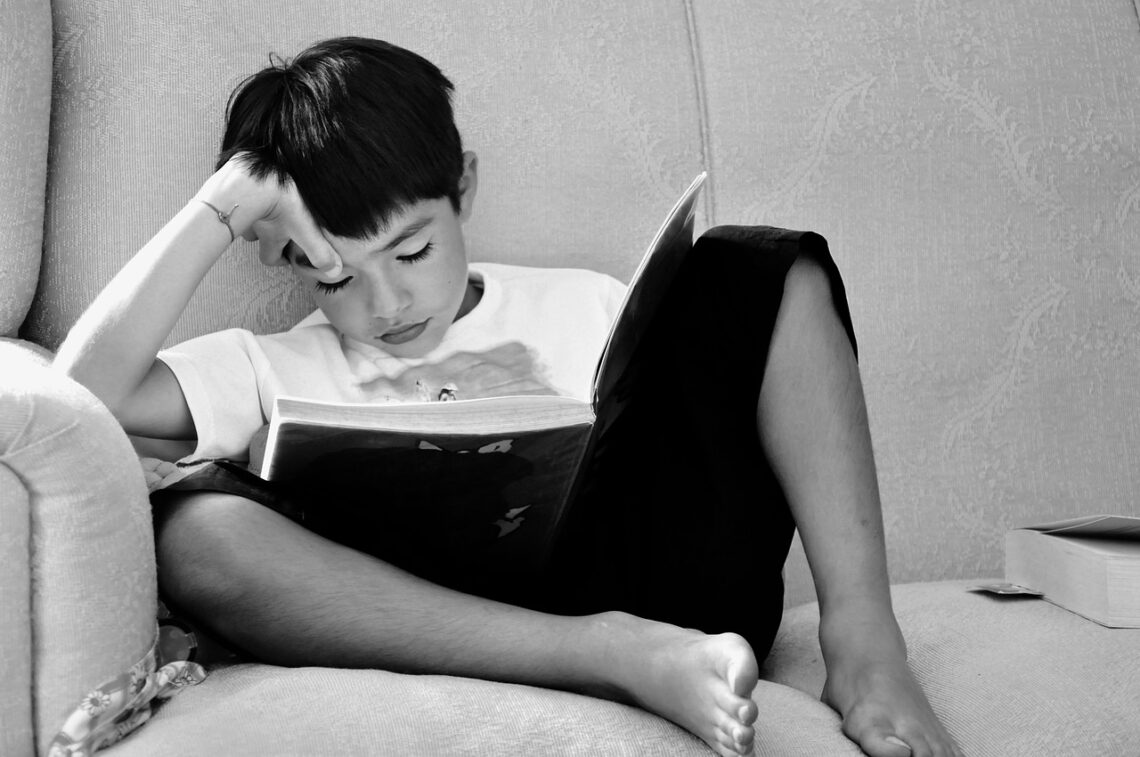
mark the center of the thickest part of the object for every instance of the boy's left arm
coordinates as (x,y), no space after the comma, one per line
(813,425)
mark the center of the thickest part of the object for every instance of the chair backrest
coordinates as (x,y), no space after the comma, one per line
(974,166)
(25,103)
(585,131)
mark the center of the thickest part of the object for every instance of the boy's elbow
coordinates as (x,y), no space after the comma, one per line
(72,364)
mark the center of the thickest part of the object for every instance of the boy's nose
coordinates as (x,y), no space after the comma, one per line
(388,299)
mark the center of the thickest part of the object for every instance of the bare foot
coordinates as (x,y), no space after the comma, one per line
(702,683)
(886,713)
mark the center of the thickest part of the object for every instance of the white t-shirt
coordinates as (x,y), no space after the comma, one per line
(535,330)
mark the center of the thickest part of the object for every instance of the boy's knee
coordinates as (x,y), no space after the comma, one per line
(201,542)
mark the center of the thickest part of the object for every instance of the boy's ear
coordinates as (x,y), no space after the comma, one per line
(468,183)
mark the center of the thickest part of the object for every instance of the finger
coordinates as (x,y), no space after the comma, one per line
(320,253)
(176,474)
(897,741)
(311,237)
(879,742)
(154,482)
(271,250)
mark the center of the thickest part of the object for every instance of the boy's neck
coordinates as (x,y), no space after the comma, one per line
(471,297)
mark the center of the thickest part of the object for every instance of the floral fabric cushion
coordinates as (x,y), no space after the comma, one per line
(117,707)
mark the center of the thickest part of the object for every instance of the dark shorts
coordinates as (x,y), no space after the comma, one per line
(681,519)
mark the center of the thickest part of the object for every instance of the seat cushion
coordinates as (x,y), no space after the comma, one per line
(1009,676)
(253,709)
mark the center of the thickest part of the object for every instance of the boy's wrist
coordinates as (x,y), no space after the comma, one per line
(202,213)
(233,196)
(223,216)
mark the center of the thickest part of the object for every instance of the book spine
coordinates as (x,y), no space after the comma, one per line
(1067,575)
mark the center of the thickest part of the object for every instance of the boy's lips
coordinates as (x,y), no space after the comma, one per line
(402,334)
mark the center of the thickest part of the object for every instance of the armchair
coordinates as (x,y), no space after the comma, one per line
(975,168)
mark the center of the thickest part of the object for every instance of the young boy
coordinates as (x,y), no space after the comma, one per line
(345,164)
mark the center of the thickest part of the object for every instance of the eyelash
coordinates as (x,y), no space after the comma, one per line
(415,257)
(335,286)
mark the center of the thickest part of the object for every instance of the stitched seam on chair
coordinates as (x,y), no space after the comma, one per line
(702,108)
(33,671)
(16,448)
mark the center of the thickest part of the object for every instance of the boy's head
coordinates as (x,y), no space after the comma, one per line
(364,129)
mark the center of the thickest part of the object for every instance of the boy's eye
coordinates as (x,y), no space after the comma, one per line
(416,257)
(335,286)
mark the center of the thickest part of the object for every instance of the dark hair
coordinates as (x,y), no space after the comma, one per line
(363,128)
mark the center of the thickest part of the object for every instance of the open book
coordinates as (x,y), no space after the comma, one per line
(484,482)
(1090,566)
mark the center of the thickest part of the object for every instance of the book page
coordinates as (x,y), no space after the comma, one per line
(484,415)
(648,286)
(1100,526)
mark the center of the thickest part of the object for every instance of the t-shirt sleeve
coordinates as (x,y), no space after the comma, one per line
(218,376)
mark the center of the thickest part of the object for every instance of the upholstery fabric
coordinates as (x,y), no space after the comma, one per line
(974,168)
(253,710)
(585,122)
(25,100)
(89,597)
(16,731)
(1008,676)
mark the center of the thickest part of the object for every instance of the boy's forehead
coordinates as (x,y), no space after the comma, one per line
(403,225)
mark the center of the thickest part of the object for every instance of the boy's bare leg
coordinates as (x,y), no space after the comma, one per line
(295,598)
(813,425)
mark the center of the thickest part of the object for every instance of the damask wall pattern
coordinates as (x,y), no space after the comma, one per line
(585,134)
(974,166)
(24,97)
(991,263)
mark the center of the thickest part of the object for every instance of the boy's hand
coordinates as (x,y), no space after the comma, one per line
(159,473)
(270,212)
(498,372)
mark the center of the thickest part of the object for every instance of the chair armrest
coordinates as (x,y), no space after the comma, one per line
(79,581)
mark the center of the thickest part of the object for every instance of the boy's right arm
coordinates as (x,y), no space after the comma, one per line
(112,348)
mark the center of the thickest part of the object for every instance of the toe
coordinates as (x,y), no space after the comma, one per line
(727,745)
(734,706)
(740,668)
(744,739)
(748,712)
(740,732)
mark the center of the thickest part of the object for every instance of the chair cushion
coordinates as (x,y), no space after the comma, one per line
(87,543)
(1009,676)
(253,709)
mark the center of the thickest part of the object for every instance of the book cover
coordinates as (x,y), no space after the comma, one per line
(1089,566)
(478,486)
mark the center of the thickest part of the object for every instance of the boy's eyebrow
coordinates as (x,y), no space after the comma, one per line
(410,230)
